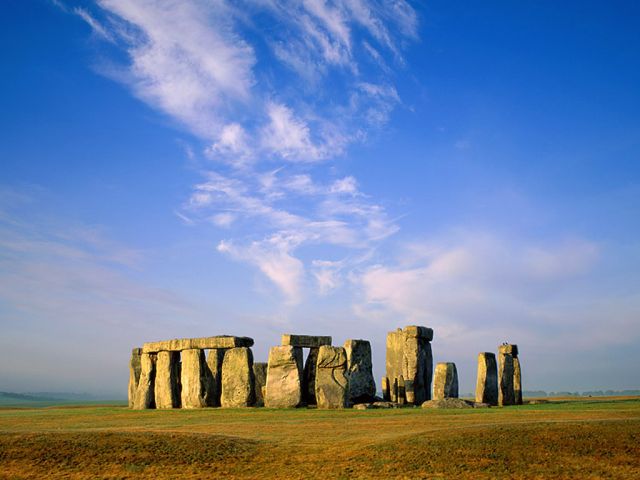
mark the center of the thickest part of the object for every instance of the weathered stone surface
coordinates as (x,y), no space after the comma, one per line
(215,357)
(507,348)
(386,389)
(448,402)
(196,380)
(144,397)
(305,341)
(445,384)
(284,377)
(309,378)
(167,385)
(260,381)
(505,379)
(362,386)
(517,381)
(237,378)
(134,374)
(409,355)
(332,385)
(179,344)
(487,380)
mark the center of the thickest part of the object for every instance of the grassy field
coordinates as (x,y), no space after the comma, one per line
(563,439)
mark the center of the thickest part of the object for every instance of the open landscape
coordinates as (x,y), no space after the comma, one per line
(585,438)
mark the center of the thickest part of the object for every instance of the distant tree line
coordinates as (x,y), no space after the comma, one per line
(594,393)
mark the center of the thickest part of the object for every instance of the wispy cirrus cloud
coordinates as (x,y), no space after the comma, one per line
(322,83)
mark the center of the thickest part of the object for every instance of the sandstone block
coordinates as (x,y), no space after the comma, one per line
(507,348)
(309,378)
(487,380)
(196,380)
(179,344)
(362,386)
(386,389)
(260,380)
(305,341)
(134,374)
(237,378)
(167,386)
(215,358)
(144,397)
(332,385)
(284,377)
(445,384)
(517,381)
(506,394)
(416,331)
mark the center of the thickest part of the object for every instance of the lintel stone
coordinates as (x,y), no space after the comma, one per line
(202,343)
(420,332)
(305,341)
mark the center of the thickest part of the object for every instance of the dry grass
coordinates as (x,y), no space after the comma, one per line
(578,439)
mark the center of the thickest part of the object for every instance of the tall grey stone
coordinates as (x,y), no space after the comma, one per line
(487,380)
(506,394)
(196,380)
(237,378)
(362,386)
(215,357)
(134,374)
(517,381)
(284,377)
(332,385)
(145,397)
(386,389)
(167,385)
(445,383)
(309,377)
(260,381)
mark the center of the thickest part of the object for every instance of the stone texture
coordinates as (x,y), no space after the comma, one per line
(305,341)
(505,379)
(409,356)
(332,385)
(215,359)
(284,377)
(386,389)
(179,344)
(309,378)
(260,381)
(167,384)
(237,378)
(517,381)
(362,386)
(196,380)
(487,380)
(144,397)
(448,403)
(445,384)
(134,374)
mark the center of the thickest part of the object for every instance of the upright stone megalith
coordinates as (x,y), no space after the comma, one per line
(284,377)
(260,381)
(362,386)
(487,382)
(332,385)
(409,356)
(196,379)
(167,386)
(134,374)
(506,394)
(445,384)
(215,359)
(309,377)
(237,378)
(145,397)
(517,376)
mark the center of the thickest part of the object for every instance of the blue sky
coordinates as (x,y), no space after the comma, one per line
(174,169)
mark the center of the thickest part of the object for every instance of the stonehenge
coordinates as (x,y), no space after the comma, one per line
(220,371)
(409,365)
(445,384)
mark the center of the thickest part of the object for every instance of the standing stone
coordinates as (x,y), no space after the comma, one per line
(197,383)
(506,395)
(145,397)
(309,377)
(445,384)
(284,377)
(260,380)
(332,385)
(386,390)
(517,381)
(362,386)
(487,382)
(214,362)
(167,386)
(237,378)
(134,374)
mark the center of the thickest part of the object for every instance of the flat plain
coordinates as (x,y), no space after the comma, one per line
(585,439)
